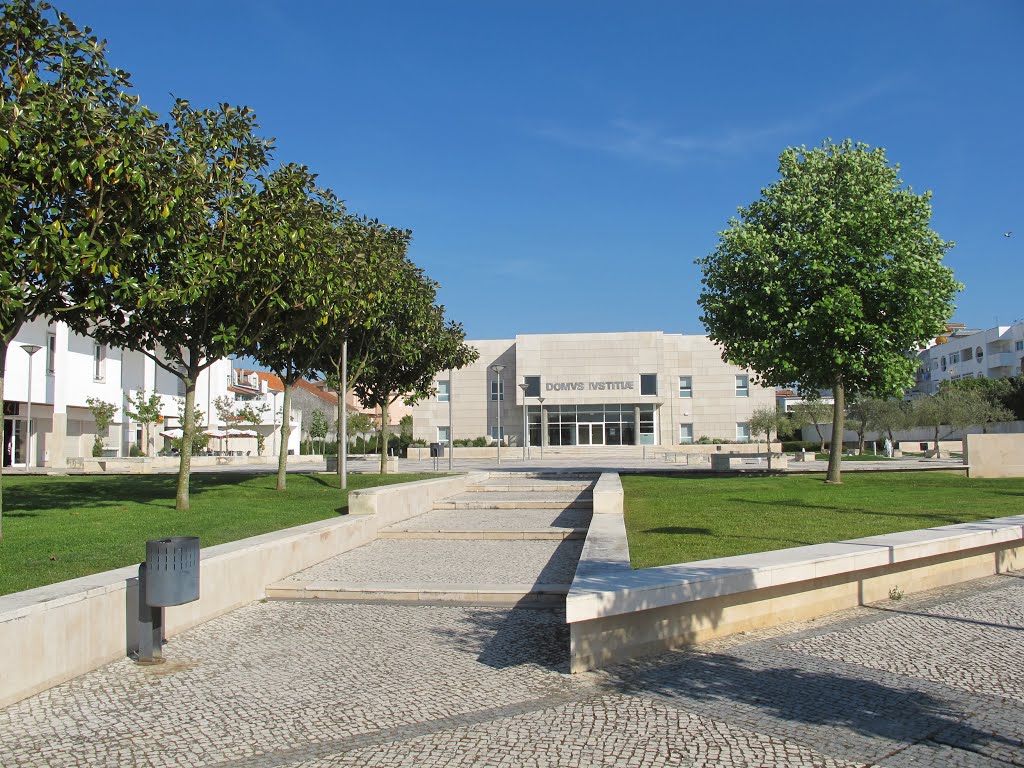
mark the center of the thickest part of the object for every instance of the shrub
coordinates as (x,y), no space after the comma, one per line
(134,450)
(479,442)
(794,446)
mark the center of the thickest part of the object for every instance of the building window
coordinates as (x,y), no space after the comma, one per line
(979,353)
(954,358)
(942,362)
(443,435)
(686,386)
(51,353)
(743,432)
(497,390)
(742,385)
(99,356)
(1018,346)
(648,384)
(497,433)
(532,386)
(685,434)
(967,354)
(442,392)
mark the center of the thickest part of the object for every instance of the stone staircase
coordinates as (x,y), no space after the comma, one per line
(512,539)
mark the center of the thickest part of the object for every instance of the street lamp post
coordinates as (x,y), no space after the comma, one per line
(526,433)
(541,401)
(497,373)
(451,427)
(30,350)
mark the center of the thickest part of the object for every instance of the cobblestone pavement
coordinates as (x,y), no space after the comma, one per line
(930,680)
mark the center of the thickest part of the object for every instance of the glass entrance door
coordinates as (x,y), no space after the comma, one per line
(14,442)
(589,434)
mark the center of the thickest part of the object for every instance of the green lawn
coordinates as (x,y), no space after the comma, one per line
(58,528)
(680,519)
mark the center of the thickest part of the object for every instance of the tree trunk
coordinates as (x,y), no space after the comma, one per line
(286,431)
(3,368)
(188,431)
(937,454)
(768,439)
(821,438)
(835,457)
(383,438)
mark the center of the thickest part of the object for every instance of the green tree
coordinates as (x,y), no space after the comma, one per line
(250,413)
(954,409)
(103,414)
(829,279)
(74,168)
(146,411)
(206,281)
(401,354)
(890,416)
(225,408)
(765,421)
(360,423)
(812,411)
(199,440)
(373,255)
(303,225)
(318,426)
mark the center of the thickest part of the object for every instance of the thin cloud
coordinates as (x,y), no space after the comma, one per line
(649,142)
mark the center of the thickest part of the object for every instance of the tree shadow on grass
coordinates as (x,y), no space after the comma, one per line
(679,530)
(95,491)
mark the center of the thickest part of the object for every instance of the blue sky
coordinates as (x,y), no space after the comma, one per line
(562,164)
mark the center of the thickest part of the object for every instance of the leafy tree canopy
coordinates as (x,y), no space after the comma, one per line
(830,279)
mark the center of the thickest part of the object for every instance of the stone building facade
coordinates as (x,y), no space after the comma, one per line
(593,390)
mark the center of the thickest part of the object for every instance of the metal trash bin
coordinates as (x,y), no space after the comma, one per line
(436,451)
(168,577)
(172,571)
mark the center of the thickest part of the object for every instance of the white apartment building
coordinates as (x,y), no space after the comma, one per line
(594,389)
(995,353)
(67,369)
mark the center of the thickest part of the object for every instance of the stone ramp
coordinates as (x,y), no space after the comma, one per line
(508,541)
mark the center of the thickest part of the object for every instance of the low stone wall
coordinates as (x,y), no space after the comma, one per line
(54,633)
(607,494)
(730,462)
(994,455)
(616,613)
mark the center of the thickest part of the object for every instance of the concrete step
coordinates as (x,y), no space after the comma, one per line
(517,500)
(546,534)
(502,595)
(531,486)
(455,503)
(500,524)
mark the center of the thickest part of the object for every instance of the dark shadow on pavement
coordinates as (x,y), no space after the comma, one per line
(902,714)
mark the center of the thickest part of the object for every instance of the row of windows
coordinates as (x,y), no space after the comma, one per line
(648,386)
(742,433)
(99,356)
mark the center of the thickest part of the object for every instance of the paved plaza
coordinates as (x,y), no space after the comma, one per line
(933,680)
(412,673)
